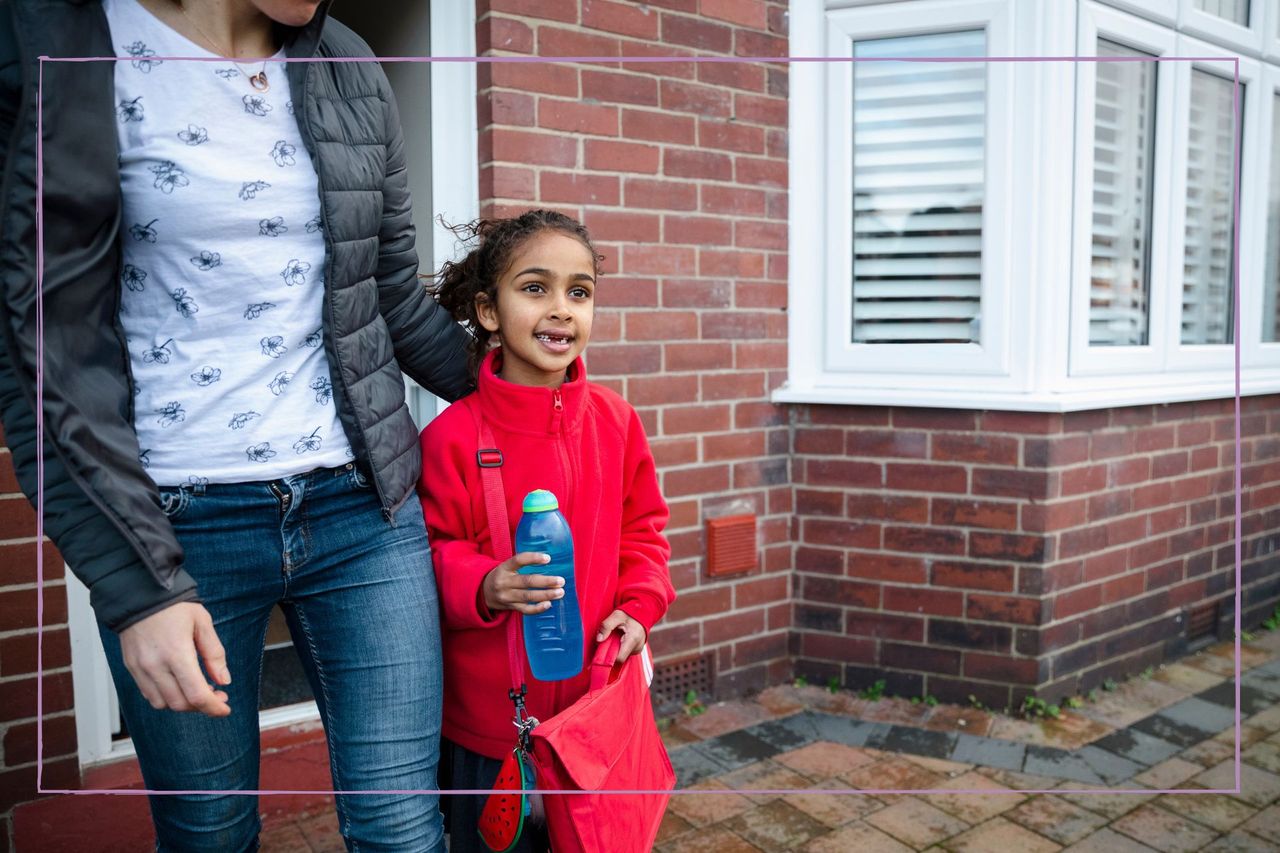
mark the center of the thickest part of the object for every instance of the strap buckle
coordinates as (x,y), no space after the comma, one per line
(523,721)
(489,457)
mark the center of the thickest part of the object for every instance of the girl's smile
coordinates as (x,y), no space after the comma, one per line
(545,302)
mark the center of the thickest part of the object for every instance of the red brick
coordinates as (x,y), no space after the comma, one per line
(1031,423)
(59,739)
(964,513)
(661,325)
(1080,600)
(732,386)
(623,18)
(701,230)
(679,420)
(1001,668)
(933,602)
(1088,478)
(614,87)
(747,43)
(1167,520)
(706,355)
(1122,588)
(669,452)
(819,502)
(553,41)
(17,518)
(657,390)
(754,593)
(845,534)
(666,639)
(1105,565)
(757,294)
(887,567)
(622,225)
(694,481)
(1126,472)
(776,143)
(842,592)
(740,325)
(532,149)
(881,443)
(975,447)
(18,607)
(996,578)
(842,649)
(660,195)
(606,156)
(624,359)
(494,33)
(575,117)
(625,292)
(579,188)
(888,507)
(693,98)
(1088,540)
(1003,608)
(696,33)
(546,78)
(1006,546)
(757,414)
(1204,458)
(732,263)
(736,201)
(1195,432)
(735,75)
(934,419)
(507,182)
(506,108)
(1152,495)
(778,20)
(717,448)
(730,136)
(683,70)
(700,604)
(761,235)
(885,626)
(18,699)
(748,13)
(1153,439)
(810,559)
(1148,553)
(758,649)
(1056,451)
(761,172)
(760,110)
(1106,445)
(18,651)
(556,10)
(1086,421)
(657,126)
(924,540)
(18,563)
(703,165)
(1109,504)
(926,478)
(842,472)
(659,260)
(1060,515)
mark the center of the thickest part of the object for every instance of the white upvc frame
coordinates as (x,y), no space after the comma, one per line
(1271,30)
(1254,351)
(1185,358)
(1164,11)
(991,357)
(455,194)
(1248,39)
(1099,22)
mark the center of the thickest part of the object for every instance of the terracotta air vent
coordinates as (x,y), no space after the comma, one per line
(731,545)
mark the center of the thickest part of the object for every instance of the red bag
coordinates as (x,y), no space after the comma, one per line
(605,741)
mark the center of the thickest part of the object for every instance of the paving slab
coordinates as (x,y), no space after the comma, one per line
(824,760)
(858,836)
(1111,768)
(776,826)
(1257,787)
(737,749)
(1056,819)
(988,752)
(692,766)
(1107,841)
(1219,812)
(930,744)
(1240,842)
(1200,714)
(1174,731)
(1001,834)
(1164,830)
(1252,697)
(1169,774)
(975,808)
(1059,764)
(788,732)
(847,731)
(915,822)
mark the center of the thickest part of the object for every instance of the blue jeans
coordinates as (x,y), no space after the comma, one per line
(360,599)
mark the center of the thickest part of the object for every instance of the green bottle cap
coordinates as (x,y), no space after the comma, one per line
(540,500)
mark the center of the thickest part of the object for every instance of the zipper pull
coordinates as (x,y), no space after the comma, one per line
(556,402)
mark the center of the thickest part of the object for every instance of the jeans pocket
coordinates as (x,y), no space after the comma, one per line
(174,502)
(358,479)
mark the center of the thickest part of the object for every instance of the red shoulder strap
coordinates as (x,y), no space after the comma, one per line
(489,458)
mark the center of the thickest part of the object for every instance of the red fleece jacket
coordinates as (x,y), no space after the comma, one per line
(584,443)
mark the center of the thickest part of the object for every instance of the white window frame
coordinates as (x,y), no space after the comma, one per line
(1248,39)
(1162,11)
(1271,30)
(992,356)
(455,194)
(1098,22)
(1186,358)
(1255,352)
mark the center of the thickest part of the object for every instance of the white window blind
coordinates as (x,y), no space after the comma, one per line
(1123,151)
(1236,11)
(918,177)
(1271,279)
(1207,261)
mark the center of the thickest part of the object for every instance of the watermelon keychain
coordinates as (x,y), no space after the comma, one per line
(502,819)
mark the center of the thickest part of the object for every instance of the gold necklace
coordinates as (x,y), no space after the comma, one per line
(257,81)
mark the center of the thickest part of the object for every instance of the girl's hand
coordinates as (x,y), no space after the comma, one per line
(505,588)
(633,634)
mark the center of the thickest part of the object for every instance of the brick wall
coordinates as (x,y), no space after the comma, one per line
(994,553)
(679,170)
(18,659)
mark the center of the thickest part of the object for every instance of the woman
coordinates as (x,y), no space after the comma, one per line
(229,294)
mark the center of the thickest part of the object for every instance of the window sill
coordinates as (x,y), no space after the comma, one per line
(843,391)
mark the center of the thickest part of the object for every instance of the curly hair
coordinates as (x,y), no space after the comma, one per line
(458,283)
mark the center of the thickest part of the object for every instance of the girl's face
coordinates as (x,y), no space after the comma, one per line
(291,13)
(544,306)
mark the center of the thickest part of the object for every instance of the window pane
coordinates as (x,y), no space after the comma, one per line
(1123,150)
(918,143)
(1236,11)
(1206,280)
(1271,295)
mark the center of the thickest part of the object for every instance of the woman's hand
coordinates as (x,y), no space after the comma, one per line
(163,651)
(504,588)
(633,634)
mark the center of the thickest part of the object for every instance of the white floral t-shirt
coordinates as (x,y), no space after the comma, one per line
(223,265)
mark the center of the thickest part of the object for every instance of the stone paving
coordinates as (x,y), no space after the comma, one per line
(1171,730)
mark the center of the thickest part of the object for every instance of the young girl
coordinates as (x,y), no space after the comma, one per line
(529,286)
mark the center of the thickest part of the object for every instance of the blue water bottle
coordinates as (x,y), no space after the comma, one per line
(552,638)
